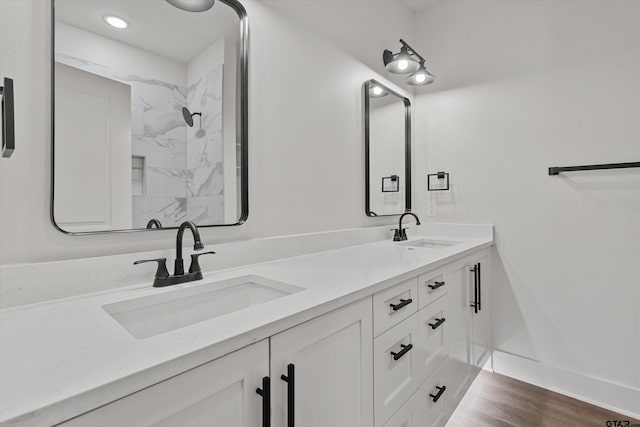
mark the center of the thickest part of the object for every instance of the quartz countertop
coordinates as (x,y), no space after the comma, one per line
(62,358)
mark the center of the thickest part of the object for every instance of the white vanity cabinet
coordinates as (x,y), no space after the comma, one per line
(331,360)
(480,319)
(321,369)
(450,339)
(221,393)
(404,356)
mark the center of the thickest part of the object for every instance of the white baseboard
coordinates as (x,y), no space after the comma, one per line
(615,397)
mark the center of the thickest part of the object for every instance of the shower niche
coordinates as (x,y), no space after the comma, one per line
(150,115)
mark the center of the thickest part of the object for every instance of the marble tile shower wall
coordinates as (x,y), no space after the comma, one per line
(205,186)
(183,166)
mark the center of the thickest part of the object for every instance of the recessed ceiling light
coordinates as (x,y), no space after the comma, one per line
(116,22)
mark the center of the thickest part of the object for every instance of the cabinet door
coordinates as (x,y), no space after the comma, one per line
(332,361)
(480,324)
(458,328)
(221,393)
(433,335)
(396,368)
(412,414)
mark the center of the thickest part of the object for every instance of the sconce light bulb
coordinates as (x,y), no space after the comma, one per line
(421,78)
(403,64)
(377,90)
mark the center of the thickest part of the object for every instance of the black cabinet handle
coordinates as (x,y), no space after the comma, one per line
(438,323)
(436,285)
(475,288)
(265,392)
(290,379)
(402,303)
(8,119)
(479,274)
(439,394)
(405,350)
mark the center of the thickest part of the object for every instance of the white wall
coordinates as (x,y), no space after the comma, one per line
(101,50)
(523,86)
(306,143)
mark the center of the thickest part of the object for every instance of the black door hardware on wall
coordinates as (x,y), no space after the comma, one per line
(405,349)
(435,285)
(265,392)
(401,304)
(438,395)
(391,184)
(290,379)
(477,288)
(8,119)
(441,176)
(555,170)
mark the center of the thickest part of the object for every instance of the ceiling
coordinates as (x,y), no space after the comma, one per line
(155,25)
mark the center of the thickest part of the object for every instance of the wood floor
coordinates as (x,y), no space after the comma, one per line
(496,401)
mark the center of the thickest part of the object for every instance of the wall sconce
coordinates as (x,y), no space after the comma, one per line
(443,181)
(404,62)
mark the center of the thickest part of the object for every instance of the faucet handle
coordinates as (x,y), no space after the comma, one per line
(161,272)
(195,265)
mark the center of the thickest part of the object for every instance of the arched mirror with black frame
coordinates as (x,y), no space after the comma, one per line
(149,114)
(387,139)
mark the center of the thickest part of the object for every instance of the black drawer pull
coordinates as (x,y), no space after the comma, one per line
(290,379)
(265,392)
(402,303)
(435,285)
(439,394)
(438,323)
(405,350)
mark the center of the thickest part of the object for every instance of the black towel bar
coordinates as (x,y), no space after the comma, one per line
(557,169)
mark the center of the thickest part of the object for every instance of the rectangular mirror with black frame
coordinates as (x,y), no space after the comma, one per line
(387,135)
(149,114)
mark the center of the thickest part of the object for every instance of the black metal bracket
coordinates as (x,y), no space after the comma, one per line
(395,179)
(8,118)
(290,379)
(401,304)
(405,350)
(439,175)
(438,395)
(438,323)
(265,392)
(555,170)
(436,285)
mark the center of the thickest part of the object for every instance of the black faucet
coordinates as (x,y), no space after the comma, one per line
(401,233)
(154,222)
(179,276)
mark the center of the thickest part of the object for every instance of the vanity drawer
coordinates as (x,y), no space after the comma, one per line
(395,375)
(433,344)
(393,305)
(431,286)
(433,396)
(411,414)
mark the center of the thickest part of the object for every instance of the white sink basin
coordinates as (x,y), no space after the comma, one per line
(428,244)
(156,314)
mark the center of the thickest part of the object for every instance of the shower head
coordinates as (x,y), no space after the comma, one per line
(188,116)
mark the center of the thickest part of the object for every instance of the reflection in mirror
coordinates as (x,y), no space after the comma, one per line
(149,115)
(387,150)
